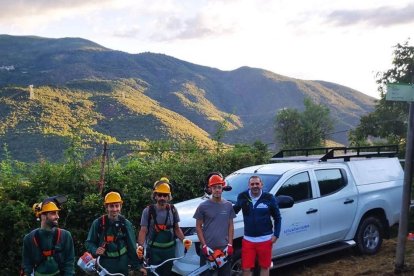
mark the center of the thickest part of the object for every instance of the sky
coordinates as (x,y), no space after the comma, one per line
(341,41)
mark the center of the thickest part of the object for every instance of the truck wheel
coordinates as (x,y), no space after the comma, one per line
(369,236)
(236,268)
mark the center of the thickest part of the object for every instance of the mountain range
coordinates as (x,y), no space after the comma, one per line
(52,89)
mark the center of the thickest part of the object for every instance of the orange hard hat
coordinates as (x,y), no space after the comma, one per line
(216,180)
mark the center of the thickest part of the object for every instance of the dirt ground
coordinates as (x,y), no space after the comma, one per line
(347,262)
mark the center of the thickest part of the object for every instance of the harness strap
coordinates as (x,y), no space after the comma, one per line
(113,238)
(46,274)
(152,214)
(48,253)
(161,244)
(56,240)
(116,254)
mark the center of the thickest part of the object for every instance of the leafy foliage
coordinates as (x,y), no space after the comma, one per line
(389,119)
(309,128)
(185,164)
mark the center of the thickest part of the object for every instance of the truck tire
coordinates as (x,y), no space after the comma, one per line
(369,236)
(236,268)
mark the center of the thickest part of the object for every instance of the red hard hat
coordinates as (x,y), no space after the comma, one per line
(216,180)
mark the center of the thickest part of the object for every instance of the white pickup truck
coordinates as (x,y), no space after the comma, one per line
(341,199)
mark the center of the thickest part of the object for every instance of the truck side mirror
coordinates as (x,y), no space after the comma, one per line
(285,201)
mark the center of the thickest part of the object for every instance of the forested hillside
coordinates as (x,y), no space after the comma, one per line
(81,88)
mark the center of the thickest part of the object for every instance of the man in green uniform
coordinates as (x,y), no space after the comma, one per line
(48,250)
(112,237)
(159,229)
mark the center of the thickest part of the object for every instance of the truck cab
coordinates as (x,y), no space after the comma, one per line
(338,203)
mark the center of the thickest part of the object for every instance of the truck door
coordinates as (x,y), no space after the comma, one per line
(338,203)
(300,224)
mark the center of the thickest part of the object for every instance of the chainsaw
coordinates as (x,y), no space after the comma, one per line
(214,261)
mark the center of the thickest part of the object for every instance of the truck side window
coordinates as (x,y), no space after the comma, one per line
(298,187)
(330,181)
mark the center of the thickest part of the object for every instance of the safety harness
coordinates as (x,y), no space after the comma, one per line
(51,252)
(120,233)
(162,229)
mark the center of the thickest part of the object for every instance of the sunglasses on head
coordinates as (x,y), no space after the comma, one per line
(162,195)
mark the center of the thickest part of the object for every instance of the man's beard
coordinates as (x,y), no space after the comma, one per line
(113,215)
(216,195)
(52,223)
(161,202)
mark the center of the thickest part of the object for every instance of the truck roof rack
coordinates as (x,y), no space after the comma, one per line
(328,153)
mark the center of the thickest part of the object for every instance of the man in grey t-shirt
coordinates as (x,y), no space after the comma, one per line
(214,225)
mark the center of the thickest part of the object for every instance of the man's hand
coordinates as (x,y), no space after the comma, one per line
(138,272)
(228,250)
(187,243)
(140,252)
(207,251)
(274,239)
(100,250)
(143,271)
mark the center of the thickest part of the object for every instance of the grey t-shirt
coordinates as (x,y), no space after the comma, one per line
(215,217)
(161,217)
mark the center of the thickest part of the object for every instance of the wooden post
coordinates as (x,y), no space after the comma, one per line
(31,92)
(406,197)
(102,173)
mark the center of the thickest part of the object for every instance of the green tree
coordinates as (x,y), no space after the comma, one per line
(309,128)
(185,164)
(389,119)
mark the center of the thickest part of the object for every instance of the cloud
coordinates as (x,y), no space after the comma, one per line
(178,28)
(385,16)
(22,8)
(130,32)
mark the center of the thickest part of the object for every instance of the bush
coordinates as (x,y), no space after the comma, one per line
(22,185)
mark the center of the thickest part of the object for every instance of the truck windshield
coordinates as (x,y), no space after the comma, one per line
(239,183)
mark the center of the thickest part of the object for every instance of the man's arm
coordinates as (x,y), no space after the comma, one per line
(277,219)
(92,241)
(231,231)
(199,229)
(143,231)
(69,255)
(237,207)
(142,234)
(26,255)
(178,232)
(132,246)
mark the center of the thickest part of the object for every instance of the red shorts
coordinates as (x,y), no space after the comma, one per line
(261,250)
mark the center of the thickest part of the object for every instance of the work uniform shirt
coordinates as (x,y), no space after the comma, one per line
(216,217)
(64,250)
(113,263)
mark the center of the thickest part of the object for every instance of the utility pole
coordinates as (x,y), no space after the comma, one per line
(406,197)
(102,174)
